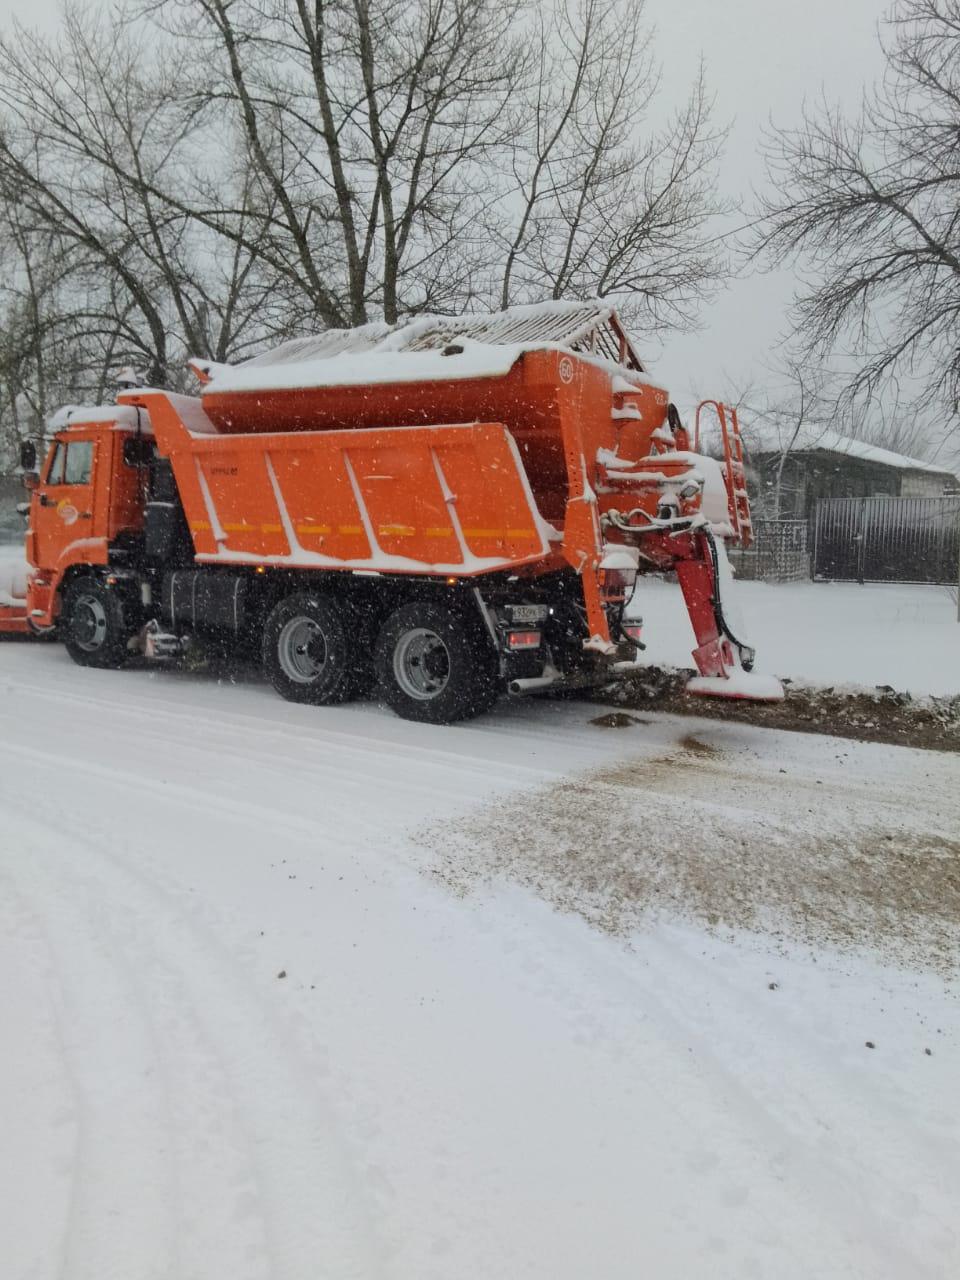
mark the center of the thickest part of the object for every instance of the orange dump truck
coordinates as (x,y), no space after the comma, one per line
(447,510)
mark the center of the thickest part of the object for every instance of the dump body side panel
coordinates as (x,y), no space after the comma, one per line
(437,500)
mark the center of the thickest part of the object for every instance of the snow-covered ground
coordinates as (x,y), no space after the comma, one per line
(286,993)
(825,632)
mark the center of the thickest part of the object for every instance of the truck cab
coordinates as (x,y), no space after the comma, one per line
(87,503)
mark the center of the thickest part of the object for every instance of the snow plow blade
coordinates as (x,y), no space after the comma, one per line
(743,685)
(13,620)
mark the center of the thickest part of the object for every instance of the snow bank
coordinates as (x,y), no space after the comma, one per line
(824,633)
(13,575)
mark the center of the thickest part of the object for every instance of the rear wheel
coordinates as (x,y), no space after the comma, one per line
(94,624)
(434,665)
(309,649)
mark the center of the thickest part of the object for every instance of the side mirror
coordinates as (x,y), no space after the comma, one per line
(28,456)
(31,479)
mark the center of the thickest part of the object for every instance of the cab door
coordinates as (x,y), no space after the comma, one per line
(62,510)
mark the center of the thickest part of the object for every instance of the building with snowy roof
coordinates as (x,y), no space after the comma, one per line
(821,463)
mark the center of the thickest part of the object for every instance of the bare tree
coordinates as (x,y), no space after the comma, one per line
(372,125)
(41,310)
(198,177)
(96,148)
(608,205)
(871,206)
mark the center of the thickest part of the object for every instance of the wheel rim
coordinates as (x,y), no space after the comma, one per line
(302,650)
(421,664)
(88,623)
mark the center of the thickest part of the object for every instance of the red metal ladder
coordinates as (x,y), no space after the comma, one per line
(734,473)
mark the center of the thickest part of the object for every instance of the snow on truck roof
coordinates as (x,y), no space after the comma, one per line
(123,417)
(485,345)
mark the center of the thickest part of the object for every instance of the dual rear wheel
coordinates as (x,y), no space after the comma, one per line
(430,663)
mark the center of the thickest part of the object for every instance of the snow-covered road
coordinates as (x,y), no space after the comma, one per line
(250,1031)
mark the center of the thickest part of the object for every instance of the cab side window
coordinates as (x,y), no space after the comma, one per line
(79,463)
(72,463)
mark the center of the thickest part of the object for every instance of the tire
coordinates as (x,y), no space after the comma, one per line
(310,649)
(95,625)
(434,665)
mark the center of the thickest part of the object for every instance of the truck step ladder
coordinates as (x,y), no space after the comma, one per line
(734,473)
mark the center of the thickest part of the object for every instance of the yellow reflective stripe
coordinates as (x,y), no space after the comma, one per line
(199,526)
(312,528)
(439,533)
(397,530)
(351,528)
(271,528)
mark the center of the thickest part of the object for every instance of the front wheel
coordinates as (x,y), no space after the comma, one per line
(434,665)
(94,624)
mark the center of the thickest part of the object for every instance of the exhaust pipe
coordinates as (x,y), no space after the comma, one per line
(583,680)
(531,683)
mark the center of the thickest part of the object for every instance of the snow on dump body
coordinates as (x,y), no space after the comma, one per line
(370,368)
(485,345)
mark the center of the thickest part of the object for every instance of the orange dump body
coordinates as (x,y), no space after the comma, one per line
(405,500)
(548,400)
(443,478)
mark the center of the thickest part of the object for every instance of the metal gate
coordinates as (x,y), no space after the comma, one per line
(887,539)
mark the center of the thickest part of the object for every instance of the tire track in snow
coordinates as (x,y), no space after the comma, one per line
(828,1093)
(196,797)
(714,1097)
(119,1207)
(309,1195)
(298,736)
(39,1096)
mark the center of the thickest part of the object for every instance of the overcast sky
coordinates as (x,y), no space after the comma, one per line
(762,58)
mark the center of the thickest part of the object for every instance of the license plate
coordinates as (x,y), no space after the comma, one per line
(528,612)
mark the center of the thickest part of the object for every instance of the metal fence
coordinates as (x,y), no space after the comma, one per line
(779,552)
(887,539)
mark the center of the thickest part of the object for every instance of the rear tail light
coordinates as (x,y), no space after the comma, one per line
(523,639)
(633,631)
